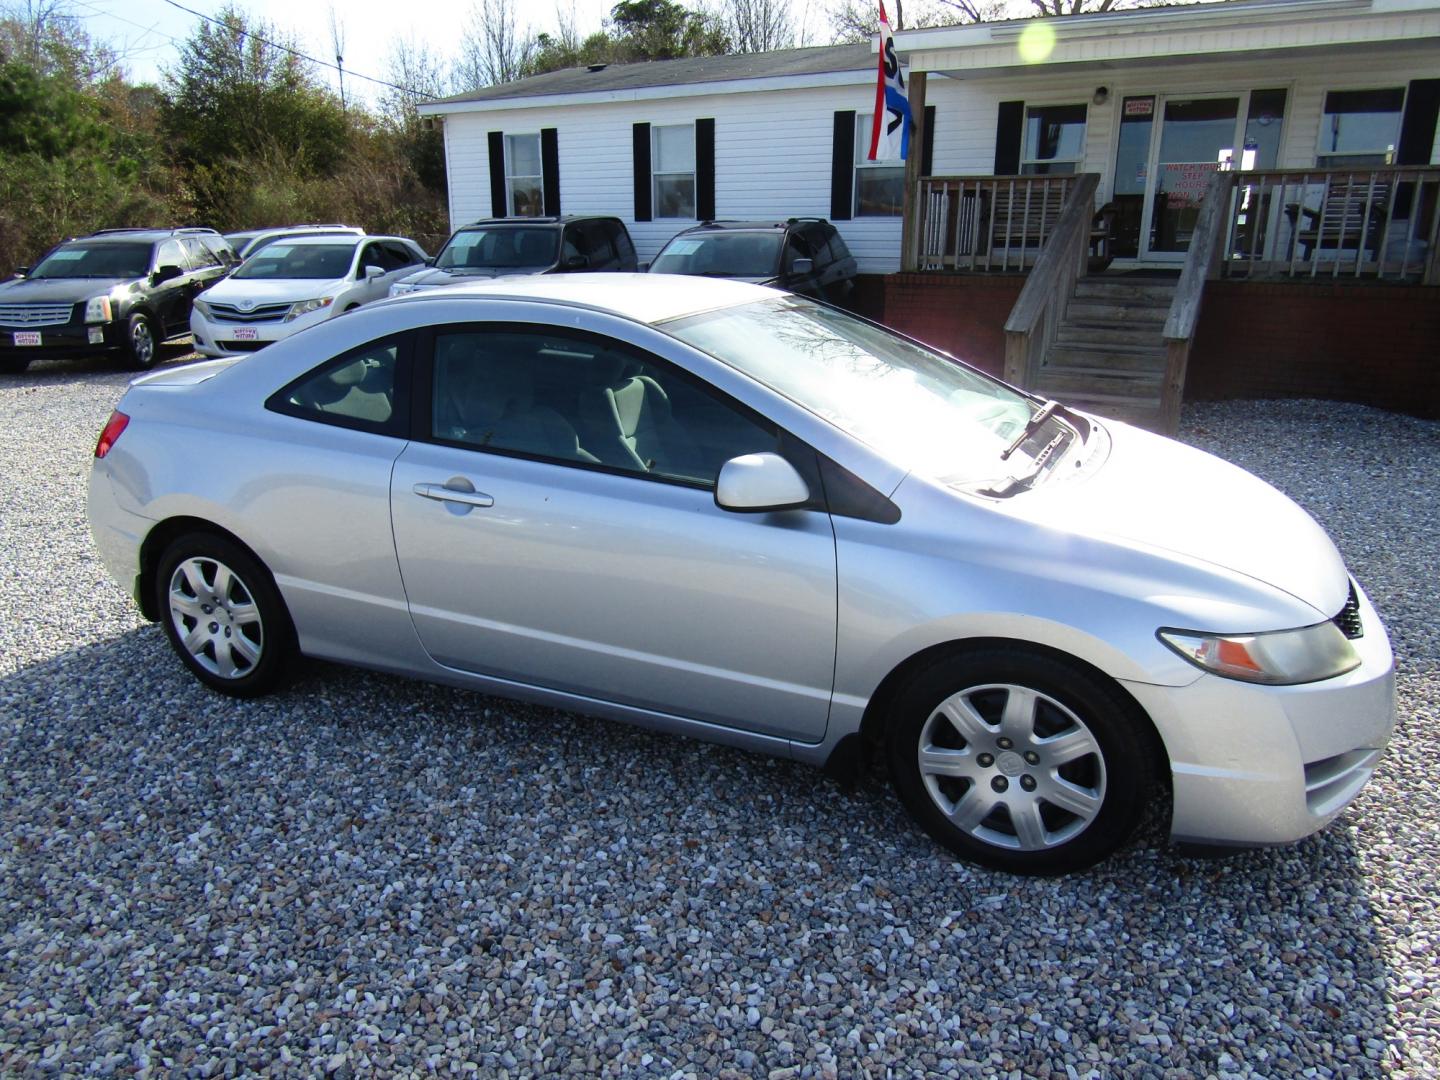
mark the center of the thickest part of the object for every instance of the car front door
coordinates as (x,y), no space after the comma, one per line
(556,526)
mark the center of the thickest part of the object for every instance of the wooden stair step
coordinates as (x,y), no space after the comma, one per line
(1109,358)
(1113,312)
(1124,291)
(1120,386)
(1104,336)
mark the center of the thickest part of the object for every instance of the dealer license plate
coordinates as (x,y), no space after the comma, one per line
(27,337)
(246,333)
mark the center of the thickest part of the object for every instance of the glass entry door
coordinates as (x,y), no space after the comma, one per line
(1167,150)
(1197,137)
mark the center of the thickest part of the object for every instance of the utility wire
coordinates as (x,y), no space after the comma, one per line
(303,56)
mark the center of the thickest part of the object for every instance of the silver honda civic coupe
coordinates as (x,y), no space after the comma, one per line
(723,511)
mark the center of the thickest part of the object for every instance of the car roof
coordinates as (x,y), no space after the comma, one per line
(564,219)
(647,298)
(753,226)
(140,236)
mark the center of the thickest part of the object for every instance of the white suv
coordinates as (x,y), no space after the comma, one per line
(295,283)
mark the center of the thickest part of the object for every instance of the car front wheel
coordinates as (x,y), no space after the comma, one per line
(223,615)
(1021,761)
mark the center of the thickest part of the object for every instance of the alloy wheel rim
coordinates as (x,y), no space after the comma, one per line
(1012,767)
(216,618)
(143,341)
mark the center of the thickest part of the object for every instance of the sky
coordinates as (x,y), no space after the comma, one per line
(146,32)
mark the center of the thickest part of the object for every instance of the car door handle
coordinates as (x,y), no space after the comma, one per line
(441,493)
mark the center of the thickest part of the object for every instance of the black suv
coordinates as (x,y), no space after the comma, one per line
(804,255)
(115,291)
(528,245)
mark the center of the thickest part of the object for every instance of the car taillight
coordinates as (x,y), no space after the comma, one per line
(112,431)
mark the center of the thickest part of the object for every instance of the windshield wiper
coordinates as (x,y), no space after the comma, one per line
(1041,415)
(1013,485)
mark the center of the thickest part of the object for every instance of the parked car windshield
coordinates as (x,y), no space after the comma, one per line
(107,260)
(920,409)
(509,248)
(722,254)
(292,262)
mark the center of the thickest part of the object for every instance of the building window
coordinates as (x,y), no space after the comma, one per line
(524,185)
(879,185)
(1360,127)
(673,172)
(1054,139)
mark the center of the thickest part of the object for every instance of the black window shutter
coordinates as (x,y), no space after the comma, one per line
(1009,126)
(842,168)
(642,172)
(705,169)
(550,169)
(497,174)
(927,145)
(1417,130)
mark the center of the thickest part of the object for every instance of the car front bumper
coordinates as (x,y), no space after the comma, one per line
(64,339)
(216,337)
(1258,765)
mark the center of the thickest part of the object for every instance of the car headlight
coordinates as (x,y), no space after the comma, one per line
(201,306)
(97,309)
(1276,658)
(304,307)
(400,288)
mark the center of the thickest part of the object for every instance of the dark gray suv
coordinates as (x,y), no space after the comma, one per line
(496,247)
(803,255)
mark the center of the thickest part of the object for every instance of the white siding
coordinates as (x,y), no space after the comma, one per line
(772,160)
(773,147)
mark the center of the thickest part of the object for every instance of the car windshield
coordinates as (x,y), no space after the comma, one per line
(722,254)
(296,262)
(96,260)
(919,408)
(510,248)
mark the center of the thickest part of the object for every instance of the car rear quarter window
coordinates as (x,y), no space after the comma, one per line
(365,389)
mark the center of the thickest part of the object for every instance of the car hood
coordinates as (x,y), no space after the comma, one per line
(58,290)
(435,276)
(272,290)
(1165,496)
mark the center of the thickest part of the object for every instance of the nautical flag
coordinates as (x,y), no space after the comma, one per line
(890,133)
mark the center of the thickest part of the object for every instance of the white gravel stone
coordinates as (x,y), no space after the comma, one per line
(364,875)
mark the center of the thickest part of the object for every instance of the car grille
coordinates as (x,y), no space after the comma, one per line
(1334,781)
(1349,618)
(242,346)
(231,313)
(35,314)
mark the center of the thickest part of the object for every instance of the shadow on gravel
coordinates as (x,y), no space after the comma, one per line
(173,862)
(59,371)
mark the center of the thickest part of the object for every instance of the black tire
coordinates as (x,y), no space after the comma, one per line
(142,347)
(1108,784)
(234,654)
(13,365)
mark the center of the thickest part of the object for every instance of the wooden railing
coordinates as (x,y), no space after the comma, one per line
(1200,263)
(1378,222)
(984,223)
(1030,329)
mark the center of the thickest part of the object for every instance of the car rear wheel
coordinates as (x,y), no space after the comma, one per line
(141,348)
(1021,761)
(223,615)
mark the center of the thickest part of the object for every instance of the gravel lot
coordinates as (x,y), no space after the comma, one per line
(366,874)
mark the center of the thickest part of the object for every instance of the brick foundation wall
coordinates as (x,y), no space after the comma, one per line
(963,314)
(1371,343)
(1374,344)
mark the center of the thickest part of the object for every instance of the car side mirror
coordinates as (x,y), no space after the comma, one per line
(577,262)
(373,272)
(168,272)
(756,483)
(802,267)
(22,271)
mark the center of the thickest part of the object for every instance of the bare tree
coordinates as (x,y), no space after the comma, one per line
(492,48)
(337,38)
(758,25)
(50,38)
(420,72)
